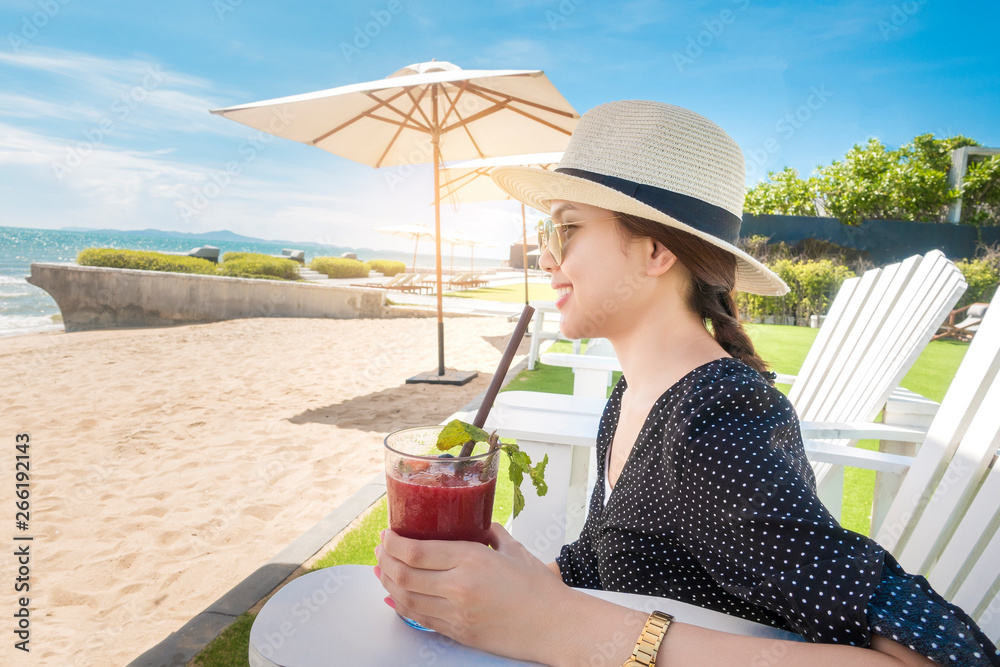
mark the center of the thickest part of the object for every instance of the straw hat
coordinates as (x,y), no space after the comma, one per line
(654,161)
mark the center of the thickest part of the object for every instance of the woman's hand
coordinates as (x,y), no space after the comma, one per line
(502,600)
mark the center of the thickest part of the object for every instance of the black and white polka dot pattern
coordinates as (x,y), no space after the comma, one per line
(716,506)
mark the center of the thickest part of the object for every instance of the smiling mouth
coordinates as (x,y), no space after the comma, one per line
(563,291)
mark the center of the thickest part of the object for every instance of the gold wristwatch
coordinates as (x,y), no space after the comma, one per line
(644,653)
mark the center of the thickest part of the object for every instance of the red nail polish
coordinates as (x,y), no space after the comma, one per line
(389,601)
(378,571)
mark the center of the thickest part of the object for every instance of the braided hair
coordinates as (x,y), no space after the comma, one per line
(713,281)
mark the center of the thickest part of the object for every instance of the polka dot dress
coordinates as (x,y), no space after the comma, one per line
(716,506)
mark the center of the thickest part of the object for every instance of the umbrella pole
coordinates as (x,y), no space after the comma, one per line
(524,250)
(415,244)
(454,377)
(437,246)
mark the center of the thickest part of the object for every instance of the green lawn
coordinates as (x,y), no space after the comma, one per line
(509,293)
(783,347)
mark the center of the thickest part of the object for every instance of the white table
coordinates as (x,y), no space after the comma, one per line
(336,616)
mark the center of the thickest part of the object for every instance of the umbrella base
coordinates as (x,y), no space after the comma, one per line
(451,377)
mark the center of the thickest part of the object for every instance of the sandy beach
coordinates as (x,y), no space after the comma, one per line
(168,464)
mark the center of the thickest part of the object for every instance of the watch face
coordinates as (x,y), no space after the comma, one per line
(633,663)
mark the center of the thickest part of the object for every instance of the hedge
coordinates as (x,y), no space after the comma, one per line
(812,284)
(983,276)
(256,265)
(339,267)
(387,267)
(144,260)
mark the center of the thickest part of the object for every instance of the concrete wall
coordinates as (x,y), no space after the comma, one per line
(101,298)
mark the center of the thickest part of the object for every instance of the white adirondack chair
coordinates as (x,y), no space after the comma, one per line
(944,518)
(877,326)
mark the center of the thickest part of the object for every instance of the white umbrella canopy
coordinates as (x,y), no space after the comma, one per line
(455,237)
(414,232)
(386,122)
(427,112)
(470,181)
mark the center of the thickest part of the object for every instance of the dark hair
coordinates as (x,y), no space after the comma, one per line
(713,274)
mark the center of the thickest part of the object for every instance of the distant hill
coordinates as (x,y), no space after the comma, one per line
(221,235)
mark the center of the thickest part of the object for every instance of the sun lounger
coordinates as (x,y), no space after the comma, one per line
(209,252)
(296,255)
(967,328)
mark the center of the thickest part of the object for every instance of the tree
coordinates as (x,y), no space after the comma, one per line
(785,194)
(874,182)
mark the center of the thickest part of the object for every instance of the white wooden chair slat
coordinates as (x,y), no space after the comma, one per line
(969,567)
(904,333)
(820,451)
(893,328)
(989,618)
(958,485)
(977,371)
(817,364)
(846,364)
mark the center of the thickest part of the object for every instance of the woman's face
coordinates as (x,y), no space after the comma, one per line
(596,281)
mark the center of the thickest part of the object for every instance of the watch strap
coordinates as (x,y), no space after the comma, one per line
(644,653)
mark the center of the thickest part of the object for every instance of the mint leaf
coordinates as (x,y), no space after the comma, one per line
(520,464)
(518,501)
(537,475)
(457,432)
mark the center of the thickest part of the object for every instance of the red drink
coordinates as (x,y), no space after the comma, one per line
(435,497)
(441,506)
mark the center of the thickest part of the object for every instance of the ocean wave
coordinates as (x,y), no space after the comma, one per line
(12,280)
(16,325)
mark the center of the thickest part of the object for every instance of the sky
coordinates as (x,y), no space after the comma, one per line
(104,118)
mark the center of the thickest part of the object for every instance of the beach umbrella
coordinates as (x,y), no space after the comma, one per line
(455,238)
(414,232)
(427,112)
(470,181)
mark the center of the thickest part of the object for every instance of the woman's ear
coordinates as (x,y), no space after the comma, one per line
(659,259)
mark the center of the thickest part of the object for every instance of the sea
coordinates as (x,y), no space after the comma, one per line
(26,309)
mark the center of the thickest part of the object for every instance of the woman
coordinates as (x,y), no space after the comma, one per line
(705,494)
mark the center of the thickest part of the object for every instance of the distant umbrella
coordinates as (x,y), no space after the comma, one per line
(415,232)
(458,238)
(470,181)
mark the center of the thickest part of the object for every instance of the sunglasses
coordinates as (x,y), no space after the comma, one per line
(552,235)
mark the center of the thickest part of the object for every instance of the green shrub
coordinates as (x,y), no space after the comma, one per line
(812,286)
(144,260)
(255,265)
(338,267)
(229,256)
(387,267)
(983,276)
